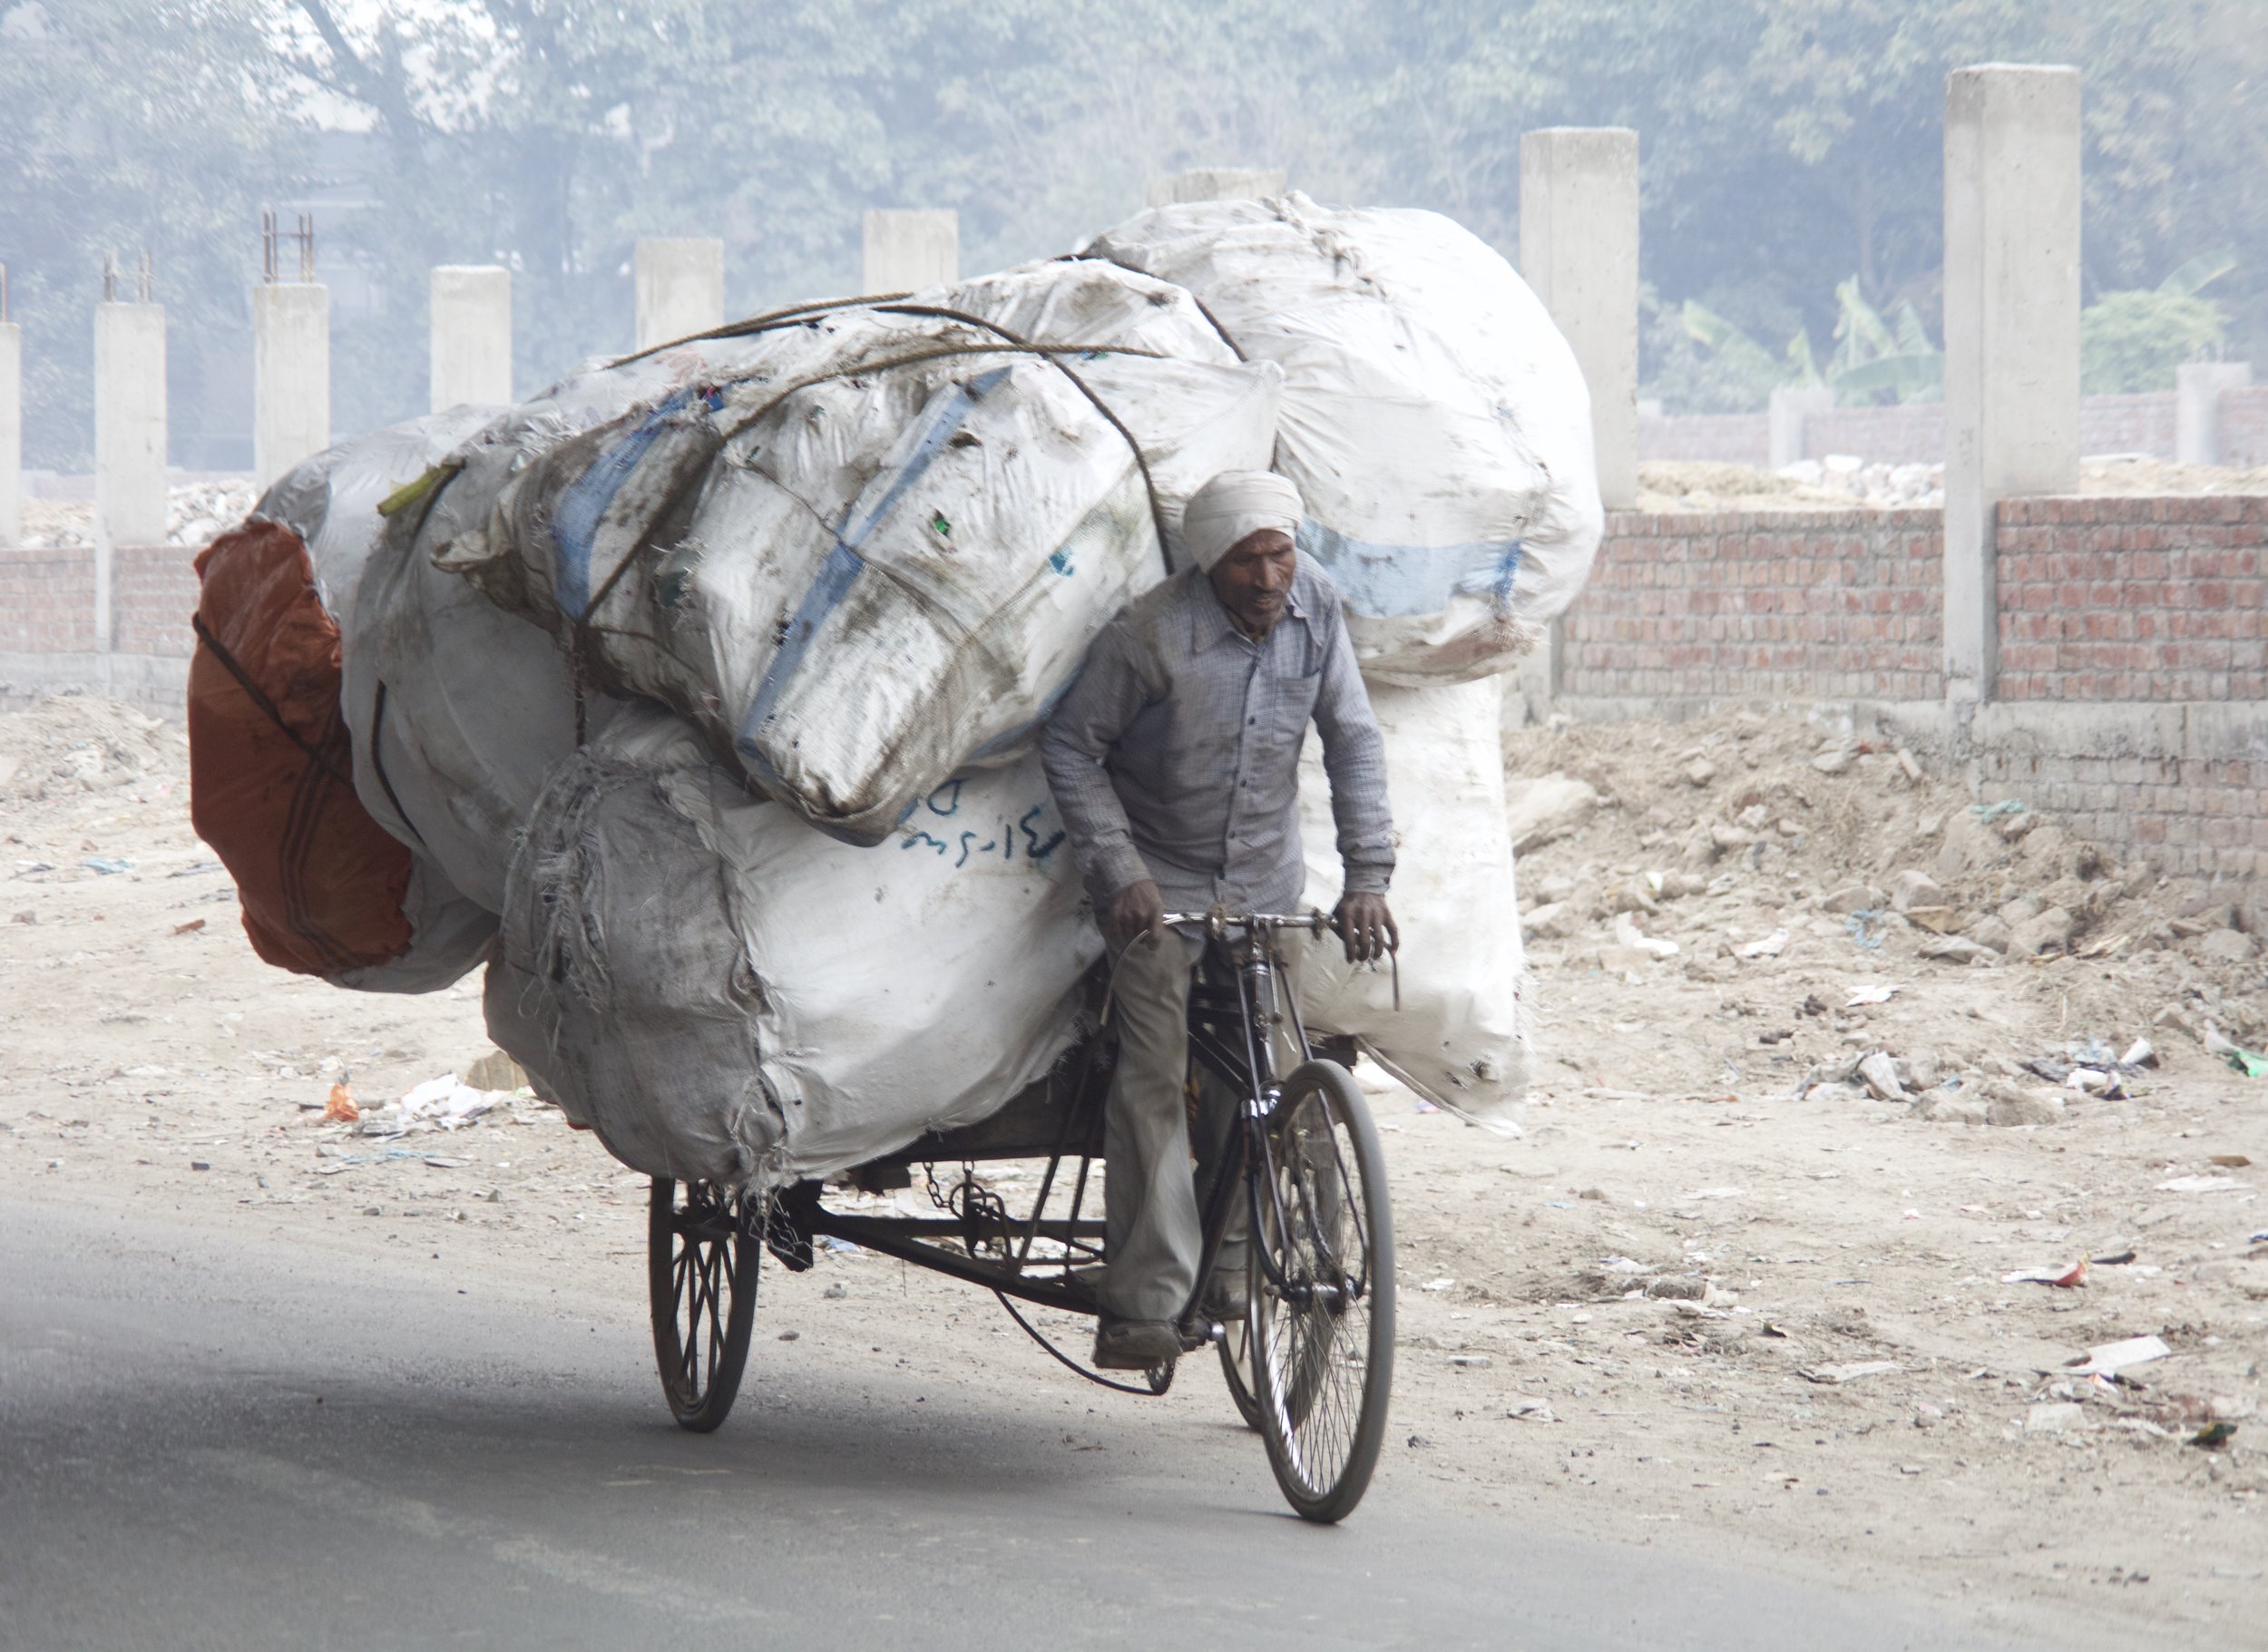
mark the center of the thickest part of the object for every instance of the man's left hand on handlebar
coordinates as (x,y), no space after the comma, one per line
(1363,922)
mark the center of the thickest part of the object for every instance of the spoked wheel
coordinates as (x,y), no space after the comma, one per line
(701,1272)
(1236,1367)
(1322,1294)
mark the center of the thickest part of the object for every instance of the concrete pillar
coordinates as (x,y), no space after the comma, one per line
(11,434)
(1791,404)
(1216,183)
(907,250)
(472,334)
(681,287)
(291,376)
(129,442)
(2197,387)
(2011,330)
(1578,249)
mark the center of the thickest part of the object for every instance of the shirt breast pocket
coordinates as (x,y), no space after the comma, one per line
(1295,703)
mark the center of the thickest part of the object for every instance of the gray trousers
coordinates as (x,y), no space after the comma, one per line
(1150,1211)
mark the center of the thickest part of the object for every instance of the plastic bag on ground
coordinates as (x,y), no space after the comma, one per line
(1461,1037)
(722,992)
(1433,418)
(878,553)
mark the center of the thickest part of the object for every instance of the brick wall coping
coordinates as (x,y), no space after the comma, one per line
(2042,510)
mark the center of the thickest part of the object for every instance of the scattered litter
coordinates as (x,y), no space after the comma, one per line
(835,1293)
(789,1337)
(2112,1358)
(1437,1284)
(198,1164)
(1470,1362)
(444,1102)
(1879,992)
(2214,1435)
(2250,1063)
(106,865)
(1835,1376)
(2203,1183)
(1714,1193)
(2054,1416)
(1859,927)
(2116,1259)
(1770,946)
(1628,934)
(1991,811)
(2067,1277)
(197,869)
(2233,1161)
(190,928)
(1530,1410)
(341,1108)
(2139,1054)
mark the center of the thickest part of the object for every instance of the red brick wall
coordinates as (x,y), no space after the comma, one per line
(1880,436)
(2187,816)
(2245,427)
(2128,425)
(2134,599)
(1726,438)
(1915,434)
(155,592)
(47,601)
(1813,604)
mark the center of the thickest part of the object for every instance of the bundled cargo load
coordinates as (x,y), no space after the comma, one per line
(878,551)
(324,888)
(1460,1036)
(722,992)
(1435,422)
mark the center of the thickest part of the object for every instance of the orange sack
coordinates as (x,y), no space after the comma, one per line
(271,766)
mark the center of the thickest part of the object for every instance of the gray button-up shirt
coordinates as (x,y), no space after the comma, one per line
(1176,754)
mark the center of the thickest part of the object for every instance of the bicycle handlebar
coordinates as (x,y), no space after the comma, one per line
(1316,921)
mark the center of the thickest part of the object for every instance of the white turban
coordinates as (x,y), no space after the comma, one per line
(1233,505)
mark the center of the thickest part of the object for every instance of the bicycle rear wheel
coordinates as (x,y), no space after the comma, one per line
(1322,1293)
(701,1275)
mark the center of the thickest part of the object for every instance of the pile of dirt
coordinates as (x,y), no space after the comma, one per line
(1842,481)
(1747,843)
(195,513)
(74,744)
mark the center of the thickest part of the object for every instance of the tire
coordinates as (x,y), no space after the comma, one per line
(701,1279)
(1236,1368)
(1322,1293)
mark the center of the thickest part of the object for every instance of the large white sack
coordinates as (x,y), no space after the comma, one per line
(879,556)
(1434,419)
(332,501)
(724,992)
(1461,1037)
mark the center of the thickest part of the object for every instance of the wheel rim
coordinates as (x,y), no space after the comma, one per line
(1314,1324)
(702,1270)
(703,1299)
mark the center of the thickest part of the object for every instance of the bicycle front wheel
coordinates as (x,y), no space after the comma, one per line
(1322,1293)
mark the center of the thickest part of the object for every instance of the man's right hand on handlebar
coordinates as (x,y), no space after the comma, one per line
(1138,909)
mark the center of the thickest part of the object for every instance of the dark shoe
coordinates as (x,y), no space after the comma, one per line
(1135,1344)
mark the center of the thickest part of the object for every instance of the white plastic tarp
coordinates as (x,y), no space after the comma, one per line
(723,992)
(1461,1037)
(1435,422)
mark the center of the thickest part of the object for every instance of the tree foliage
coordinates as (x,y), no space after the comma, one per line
(1788,146)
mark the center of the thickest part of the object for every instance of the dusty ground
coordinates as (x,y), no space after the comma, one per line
(1631,1322)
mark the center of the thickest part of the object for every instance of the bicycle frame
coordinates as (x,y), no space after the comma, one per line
(1232,1028)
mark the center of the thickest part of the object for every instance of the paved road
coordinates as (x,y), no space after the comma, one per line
(213,1439)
